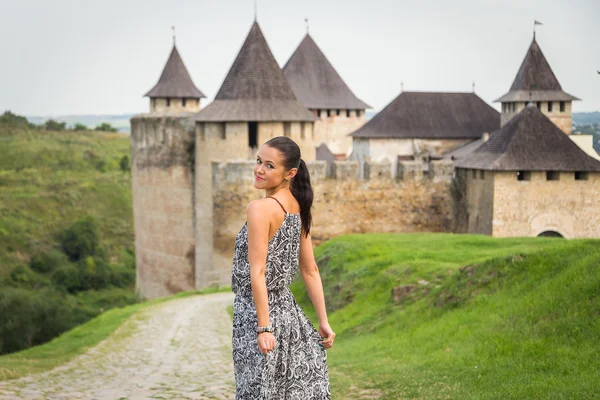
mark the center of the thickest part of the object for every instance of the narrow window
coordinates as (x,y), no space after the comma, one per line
(549,106)
(348,113)
(481,174)
(303,130)
(201,134)
(183,101)
(358,113)
(474,174)
(319,113)
(253,134)
(153,103)
(168,102)
(524,175)
(287,129)
(552,175)
(539,105)
(581,175)
(338,112)
(222,128)
(562,106)
(329,113)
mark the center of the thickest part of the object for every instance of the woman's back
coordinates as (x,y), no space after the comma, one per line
(282,373)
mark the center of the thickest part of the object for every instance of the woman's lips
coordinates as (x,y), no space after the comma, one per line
(258,178)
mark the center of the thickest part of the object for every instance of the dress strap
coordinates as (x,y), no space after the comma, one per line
(278,202)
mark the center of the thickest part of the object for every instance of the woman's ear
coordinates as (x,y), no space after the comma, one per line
(291,173)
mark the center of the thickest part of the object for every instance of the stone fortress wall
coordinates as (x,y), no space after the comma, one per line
(419,200)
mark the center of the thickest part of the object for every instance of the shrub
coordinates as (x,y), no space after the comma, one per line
(22,274)
(101,165)
(80,127)
(94,273)
(48,262)
(67,278)
(122,276)
(124,163)
(81,239)
(106,127)
(52,125)
(30,318)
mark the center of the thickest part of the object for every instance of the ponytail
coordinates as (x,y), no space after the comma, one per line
(303,192)
(300,183)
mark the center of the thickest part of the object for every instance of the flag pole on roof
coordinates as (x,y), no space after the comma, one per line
(173,28)
(535,22)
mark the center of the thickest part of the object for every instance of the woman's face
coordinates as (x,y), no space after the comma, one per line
(269,171)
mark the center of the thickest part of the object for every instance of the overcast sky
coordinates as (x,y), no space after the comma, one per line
(100,57)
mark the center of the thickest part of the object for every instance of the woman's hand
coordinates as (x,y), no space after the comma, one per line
(327,333)
(266,342)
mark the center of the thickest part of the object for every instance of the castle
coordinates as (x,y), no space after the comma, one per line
(192,179)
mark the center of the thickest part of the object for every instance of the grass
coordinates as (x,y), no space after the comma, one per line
(78,340)
(48,180)
(513,318)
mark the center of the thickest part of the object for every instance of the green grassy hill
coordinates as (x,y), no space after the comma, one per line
(48,181)
(484,318)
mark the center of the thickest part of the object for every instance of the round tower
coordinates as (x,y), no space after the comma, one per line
(162,168)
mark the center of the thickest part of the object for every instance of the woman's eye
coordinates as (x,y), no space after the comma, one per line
(258,161)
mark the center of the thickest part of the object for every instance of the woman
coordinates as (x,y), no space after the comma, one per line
(277,353)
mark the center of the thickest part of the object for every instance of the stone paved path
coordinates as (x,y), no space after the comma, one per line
(180,349)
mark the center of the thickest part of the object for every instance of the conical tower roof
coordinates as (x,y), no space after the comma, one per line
(175,80)
(315,82)
(529,142)
(535,76)
(255,88)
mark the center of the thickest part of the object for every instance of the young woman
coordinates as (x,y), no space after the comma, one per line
(277,353)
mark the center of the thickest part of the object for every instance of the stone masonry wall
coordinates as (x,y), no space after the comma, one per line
(528,208)
(162,204)
(343,204)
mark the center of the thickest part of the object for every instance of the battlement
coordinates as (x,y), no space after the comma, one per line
(241,171)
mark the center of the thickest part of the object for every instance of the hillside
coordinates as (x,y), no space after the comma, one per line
(50,183)
(482,318)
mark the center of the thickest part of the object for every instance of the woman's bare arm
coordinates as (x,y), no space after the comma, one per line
(312,278)
(258,241)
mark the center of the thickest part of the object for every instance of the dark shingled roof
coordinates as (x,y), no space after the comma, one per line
(529,142)
(431,115)
(315,82)
(535,76)
(175,80)
(255,88)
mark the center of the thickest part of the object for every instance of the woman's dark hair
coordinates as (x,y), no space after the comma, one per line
(300,184)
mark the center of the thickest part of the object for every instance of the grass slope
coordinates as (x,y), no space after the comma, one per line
(50,179)
(514,318)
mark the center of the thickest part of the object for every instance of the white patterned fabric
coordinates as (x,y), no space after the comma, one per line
(297,368)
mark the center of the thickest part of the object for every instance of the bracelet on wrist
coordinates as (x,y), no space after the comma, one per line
(262,329)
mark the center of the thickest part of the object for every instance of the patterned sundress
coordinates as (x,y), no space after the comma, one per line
(297,368)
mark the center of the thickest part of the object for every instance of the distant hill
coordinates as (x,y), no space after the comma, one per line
(121,122)
(587,118)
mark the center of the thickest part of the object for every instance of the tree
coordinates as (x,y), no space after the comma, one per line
(80,127)
(52,125)
(106,127)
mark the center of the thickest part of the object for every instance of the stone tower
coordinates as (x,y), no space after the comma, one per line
(321,89)
(162,145)
(254,104)
(536,82)
(529,179)
(175,91)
